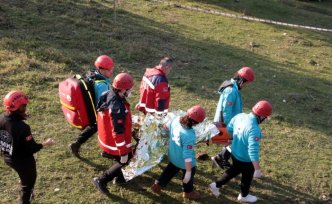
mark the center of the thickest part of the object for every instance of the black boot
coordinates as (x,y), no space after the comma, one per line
(75,149)
(101,186)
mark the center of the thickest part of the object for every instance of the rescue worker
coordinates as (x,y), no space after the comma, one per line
(245,150)
(101,82)
(17,143)
(181,152)
(114,130)
(229,105)
(154,89)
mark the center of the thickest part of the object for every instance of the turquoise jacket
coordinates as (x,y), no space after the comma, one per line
(230,103)
(181,144)
(101,85)
(246,137)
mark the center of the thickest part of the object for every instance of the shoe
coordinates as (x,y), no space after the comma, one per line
(193,195)
(222,164)
(120,182)
(156,188)
(248,199)
(100,186)
(75,149)
(214,189)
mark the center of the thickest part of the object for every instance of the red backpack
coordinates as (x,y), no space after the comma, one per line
(77,101)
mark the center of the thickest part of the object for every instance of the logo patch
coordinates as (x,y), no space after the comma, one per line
(229,103)
(256,139)
(28,138)
(120,121)
(189,146)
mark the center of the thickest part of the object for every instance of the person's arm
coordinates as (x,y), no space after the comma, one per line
(188,155)
(30,146)
(188,165)
(162,96)
(228,105)
(253,150)
(118,132)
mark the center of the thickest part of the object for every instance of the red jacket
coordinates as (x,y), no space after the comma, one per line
(114,124)
(154,92)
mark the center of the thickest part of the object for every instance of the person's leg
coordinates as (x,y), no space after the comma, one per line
(188,187)
(26,169)
(221,159)
(169,172)
(230,173)
(86,133)
(82,138)
(247,171)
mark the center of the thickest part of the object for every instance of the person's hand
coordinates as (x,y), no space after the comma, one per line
(187,177)
(258,173)
(124,159)
(47,143)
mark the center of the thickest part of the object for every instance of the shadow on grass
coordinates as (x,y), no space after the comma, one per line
(99,167)
(295,12)
(266,189)
(60,30)
(74,34)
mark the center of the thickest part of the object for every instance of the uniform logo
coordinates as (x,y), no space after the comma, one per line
(189,146)
(256,139)
(229,103)
(120,121)
(28,138)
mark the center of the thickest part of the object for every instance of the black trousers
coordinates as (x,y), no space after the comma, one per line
(115,170)
(246,169)
(86,133)
(224,154)
(170,171)
(26,169)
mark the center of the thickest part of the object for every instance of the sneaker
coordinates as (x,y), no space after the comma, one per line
(248,199)
(156,188)
(100,186)
(75,149)
(222,164)
(193,195)
(214,189)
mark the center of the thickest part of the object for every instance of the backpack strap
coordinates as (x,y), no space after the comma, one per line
(225,84)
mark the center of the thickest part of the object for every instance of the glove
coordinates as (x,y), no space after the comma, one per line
(187,177)
(258,173)
(124,159)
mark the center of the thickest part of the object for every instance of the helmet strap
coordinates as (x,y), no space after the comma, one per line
(260,119)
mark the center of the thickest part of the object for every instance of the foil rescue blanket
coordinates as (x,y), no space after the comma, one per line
(152,145)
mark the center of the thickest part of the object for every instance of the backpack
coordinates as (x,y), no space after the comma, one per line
(77,100)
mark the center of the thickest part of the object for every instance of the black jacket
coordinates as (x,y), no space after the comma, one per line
(16,141)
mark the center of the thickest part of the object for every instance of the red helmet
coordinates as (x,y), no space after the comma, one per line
(197,113)
(246,73)
(104,62)
(123,81)
(14,99)
(262,108)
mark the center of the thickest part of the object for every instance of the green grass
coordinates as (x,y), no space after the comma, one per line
(43,42)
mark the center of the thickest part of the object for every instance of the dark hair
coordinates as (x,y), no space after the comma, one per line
(166,62)
(187,122)
(239,80)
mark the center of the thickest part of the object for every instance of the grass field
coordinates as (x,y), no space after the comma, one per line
(43,42)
